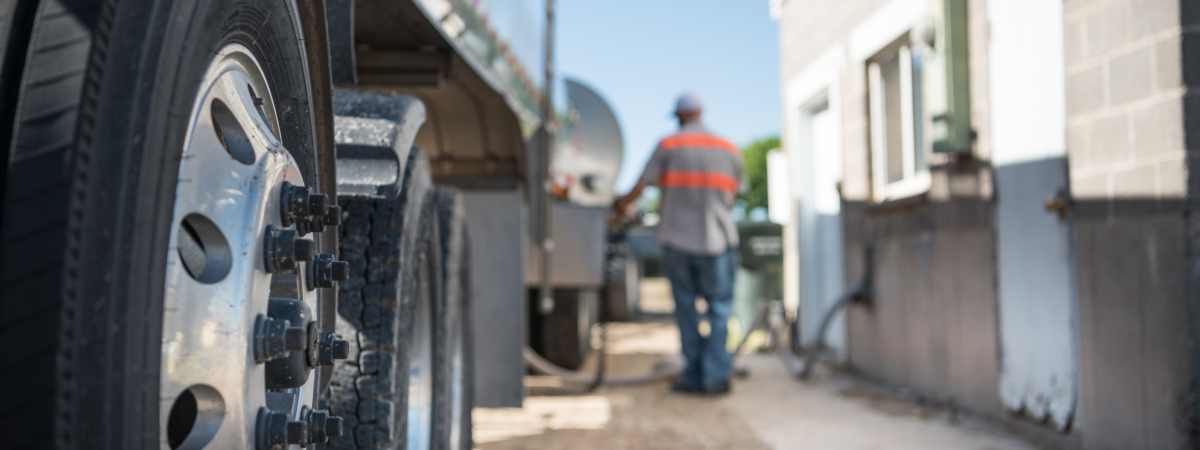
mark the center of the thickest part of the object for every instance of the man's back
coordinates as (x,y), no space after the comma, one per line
(700,175)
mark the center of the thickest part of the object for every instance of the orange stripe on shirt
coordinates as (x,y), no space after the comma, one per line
(699,180)
(697,140)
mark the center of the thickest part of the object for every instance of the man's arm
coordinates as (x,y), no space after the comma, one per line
(633,195)
(620,209)
(650,175)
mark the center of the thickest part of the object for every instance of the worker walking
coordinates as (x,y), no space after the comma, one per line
(700,175)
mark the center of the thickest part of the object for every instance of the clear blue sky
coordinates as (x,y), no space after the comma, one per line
(640,55)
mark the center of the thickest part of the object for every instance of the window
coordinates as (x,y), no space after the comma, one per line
(898,165)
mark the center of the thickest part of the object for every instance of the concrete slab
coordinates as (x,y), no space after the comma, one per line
(840,414)
(767,410)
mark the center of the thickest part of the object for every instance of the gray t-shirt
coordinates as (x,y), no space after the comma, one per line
(700,175)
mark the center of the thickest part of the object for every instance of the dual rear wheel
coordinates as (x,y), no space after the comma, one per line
(405,311)
(160,266)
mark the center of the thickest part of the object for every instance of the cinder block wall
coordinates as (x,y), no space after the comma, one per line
(932,326)
(1128,140)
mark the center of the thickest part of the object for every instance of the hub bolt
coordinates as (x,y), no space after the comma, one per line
(333,216)
(294,204)
(306,249)
(323,271)
(316,204)
(276,432)
(321,425)
(330,349)
(282,249)
(317,223)
(273,338)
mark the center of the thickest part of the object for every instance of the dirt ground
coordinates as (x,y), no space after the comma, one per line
(635,417)
(768,408)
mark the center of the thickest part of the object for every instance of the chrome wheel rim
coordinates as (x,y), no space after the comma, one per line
(420,383)
(456,389)
(230,177)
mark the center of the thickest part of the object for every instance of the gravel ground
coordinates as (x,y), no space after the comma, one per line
(768,409)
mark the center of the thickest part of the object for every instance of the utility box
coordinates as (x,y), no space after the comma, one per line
(760,268)
(578,233)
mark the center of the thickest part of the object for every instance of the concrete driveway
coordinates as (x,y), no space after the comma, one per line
(768,409)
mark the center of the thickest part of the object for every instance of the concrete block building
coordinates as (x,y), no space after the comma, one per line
(1018,178)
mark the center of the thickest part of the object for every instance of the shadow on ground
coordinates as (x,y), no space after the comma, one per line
(637,417)
(769,409)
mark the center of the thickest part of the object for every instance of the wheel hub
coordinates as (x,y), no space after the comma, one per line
(240,204)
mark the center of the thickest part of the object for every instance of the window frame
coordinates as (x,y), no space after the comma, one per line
(916,179)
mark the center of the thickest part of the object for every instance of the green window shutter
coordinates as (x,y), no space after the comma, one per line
(947,79)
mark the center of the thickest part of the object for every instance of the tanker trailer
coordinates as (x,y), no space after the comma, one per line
(583,172)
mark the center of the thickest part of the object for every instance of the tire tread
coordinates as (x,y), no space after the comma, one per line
(373,314)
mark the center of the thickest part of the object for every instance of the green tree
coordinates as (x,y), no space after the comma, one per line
(755,157)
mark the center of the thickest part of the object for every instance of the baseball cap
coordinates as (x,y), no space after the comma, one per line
(688,102)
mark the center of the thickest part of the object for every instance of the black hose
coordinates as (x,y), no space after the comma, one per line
(802,369)
(861,293)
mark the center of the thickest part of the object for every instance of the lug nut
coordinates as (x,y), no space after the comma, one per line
(317,224)
(305,249)
(276,432)
(295,339)
(321,425)
(333,426)
(297,432)
(333,216)
(281,250)
(341,349)
(341,271)
(331,349)
(316,204)
(323,271)
(273,338)
(293,204)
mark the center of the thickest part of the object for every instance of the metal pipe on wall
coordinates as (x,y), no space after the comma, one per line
(545,294)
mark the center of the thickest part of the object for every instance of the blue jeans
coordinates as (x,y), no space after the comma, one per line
(708,361)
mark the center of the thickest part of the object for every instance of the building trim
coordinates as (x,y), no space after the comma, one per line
(885,25)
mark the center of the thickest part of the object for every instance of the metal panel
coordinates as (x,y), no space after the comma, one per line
(496,226)
(1038,368)
(1039,363)
(475,125)
(590,147)
(578,233)
(822,281)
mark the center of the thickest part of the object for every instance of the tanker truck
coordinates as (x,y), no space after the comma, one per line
(275,224)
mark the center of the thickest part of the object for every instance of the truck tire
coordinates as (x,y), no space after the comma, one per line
(564,336)
(453,360)
(623,282)
(384,390)
(107,95)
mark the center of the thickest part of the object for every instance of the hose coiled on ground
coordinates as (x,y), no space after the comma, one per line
(769,316)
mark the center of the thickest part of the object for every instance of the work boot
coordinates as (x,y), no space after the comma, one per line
(718,389)
(681,387)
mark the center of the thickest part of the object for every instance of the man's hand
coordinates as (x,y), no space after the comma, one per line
(619,213)
(620,210)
